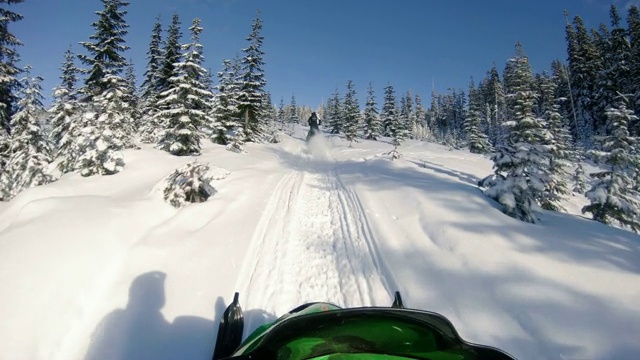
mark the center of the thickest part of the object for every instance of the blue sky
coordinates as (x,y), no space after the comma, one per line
(314,47)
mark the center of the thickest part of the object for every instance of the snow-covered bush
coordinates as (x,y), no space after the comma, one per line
(190,184)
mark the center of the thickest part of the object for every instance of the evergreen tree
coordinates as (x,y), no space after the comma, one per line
(107,128)
(371,118)
(633,21)
(151,86)
(30,151)
(421,120)
(615,76)
(493,99)
(172,55)
(388,115)
(65,116)
(185,107)
(585,63)
(293,117)
(558,143)
(351,114)
(335,113)
(522,164)
(478,142)
(251,95)
(155,58)
(615,197)
(9,84)
(105,53)
(281,114)
(225,110)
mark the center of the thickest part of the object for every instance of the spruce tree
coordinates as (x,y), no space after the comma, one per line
(388,114)
(171,55)
(106,128)
(371,118)
(281,114)
(251,95)
(351,114)
(585,63)
(293,117)
(558,145)
(633,21)
(335,113)
(155,56)
(615,197)
(522,163)
(421,120)
(225,110)
(65,116)
(105,56)
(478,142)
(30,152)
(9,84)
(185,105)
(152,85)
(615,76)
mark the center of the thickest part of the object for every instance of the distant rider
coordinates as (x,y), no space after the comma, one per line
(314,122)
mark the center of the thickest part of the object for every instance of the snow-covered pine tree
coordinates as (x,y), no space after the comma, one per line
(633,22)
(105,53)
(579,178)
(105,130)
(388,114)
(30,152)
(132,101)
(225,111)
(293,117)
(189,184)
(585,63)
(410,116)
(151,86)
(335,113)
(422,131)
(522,163)
(251,95)
(171,55)
(66,116)
(615,75)
(9,83)
(478,141)
(371,118)
(351,114)
(186,106)
(494,105)
(558,145)
(281,114)
(614,196)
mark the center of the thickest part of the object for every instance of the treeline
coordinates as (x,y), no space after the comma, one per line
(534,126)
(97,110)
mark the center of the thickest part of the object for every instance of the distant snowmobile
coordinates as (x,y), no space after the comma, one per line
(323,331)
(314,124)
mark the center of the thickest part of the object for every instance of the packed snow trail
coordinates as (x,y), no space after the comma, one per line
(311,244)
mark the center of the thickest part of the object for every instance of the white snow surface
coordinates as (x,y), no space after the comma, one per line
(103,268)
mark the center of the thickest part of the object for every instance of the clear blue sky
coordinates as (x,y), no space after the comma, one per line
(314,47)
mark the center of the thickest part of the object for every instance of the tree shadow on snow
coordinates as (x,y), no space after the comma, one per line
(140,331)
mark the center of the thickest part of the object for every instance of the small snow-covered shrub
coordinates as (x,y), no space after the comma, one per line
(189,184)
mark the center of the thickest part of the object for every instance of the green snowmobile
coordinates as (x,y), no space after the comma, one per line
(323,331)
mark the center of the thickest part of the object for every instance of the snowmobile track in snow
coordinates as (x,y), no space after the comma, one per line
(312,243)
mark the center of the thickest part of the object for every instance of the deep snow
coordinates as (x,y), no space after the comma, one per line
(102,268)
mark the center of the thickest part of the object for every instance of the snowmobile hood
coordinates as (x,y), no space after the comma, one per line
(324,331)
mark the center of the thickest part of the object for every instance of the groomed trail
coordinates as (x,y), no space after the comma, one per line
(313,243)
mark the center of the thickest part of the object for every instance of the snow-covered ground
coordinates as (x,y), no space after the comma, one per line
(103,268)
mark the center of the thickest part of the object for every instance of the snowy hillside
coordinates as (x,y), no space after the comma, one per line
(103,268)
